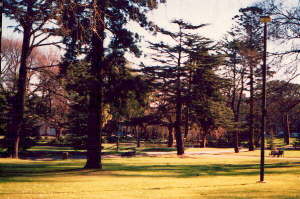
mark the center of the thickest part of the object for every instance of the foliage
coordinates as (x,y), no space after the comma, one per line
(207,109)
(4,109)
(101,16)
(33,109)
(171,76)
(125,99)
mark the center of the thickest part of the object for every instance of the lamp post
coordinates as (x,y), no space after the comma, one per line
(265,20)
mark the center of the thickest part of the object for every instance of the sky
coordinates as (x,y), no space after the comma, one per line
(217,13)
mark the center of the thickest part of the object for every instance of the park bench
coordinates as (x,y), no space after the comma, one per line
(296,145)
(129,153)
(277,153)
(65,155)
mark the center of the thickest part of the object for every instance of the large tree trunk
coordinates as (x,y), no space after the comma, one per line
(94,125)
(14,128)
(286,128)
(251,116)
(170,137)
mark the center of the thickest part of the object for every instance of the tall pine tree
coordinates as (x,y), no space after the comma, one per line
(107,20)
(170,72)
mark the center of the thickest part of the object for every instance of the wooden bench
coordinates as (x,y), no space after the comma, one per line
(296,145)
(65,155)
(129,153)
(278,153)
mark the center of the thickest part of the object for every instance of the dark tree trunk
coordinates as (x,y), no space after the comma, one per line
(237,114)
(234,109)
(94,125)
(138,140)
(170,137)
(204,139)
(146,135)
(236,141)
(251,116)
(237,132)
(58,133)
(186,127)
(1,36)
(186,124)
(286,128)
(272,133)
(19,99)
(177,126)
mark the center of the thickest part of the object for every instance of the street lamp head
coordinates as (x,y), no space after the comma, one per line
(265,19)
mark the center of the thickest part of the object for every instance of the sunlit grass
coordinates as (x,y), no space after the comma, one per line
(167,177)
(208,149)
(53,148)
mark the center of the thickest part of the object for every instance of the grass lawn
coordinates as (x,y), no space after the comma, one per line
(166,177)
(287,153)
(53,149)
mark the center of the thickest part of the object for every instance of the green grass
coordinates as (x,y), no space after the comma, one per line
(279,142)
(256,153)
(151,178)
(52,149)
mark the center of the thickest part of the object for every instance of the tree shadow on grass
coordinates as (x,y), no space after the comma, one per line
(22,172)
(184,171)
(16,172)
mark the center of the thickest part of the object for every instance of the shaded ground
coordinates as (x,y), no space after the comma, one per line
(207,176)
(55,154)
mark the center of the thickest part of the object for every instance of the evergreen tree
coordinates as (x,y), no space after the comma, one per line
(170,72)
(208,111)
(235,72)
(283,99)
(249,26)
(104,16)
